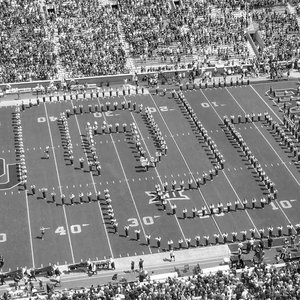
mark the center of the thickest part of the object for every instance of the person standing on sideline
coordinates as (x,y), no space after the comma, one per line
(172,255)
(141,264)
(132,266)
(112,264)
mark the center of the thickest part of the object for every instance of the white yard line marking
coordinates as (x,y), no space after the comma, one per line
(260,97)
(161,182)
(95,190)
(29,229)
(126,179)
(274,152)
(229,182)
(59,183)
(183,158)
(266,140)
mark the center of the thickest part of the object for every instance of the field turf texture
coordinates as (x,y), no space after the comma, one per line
(82,231)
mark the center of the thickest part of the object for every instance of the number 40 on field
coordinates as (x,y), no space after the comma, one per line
(74,229)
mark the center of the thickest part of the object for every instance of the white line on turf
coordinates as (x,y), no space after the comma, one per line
(260,97)
(229,182)
(95,189)
(59,183)
(186,164)
(179,226)
(274,152)
(126,179)
(29,229)
(284,163)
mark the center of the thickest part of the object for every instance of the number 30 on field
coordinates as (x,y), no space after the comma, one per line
(133,222)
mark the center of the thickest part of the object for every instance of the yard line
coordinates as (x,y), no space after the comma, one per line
(29,228)
(59,183)
(260,97)
(284,163)
(190,171)
(127,181)
(274,152)
(180,228)
(94,185)
(228,180)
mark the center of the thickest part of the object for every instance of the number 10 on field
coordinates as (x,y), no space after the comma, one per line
(74,229)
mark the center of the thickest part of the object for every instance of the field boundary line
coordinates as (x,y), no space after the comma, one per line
(274,152)
(94,185)
(59,182)
(127,181)
(159,177)
(190,171)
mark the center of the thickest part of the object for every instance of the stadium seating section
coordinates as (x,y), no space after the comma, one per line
(79,38)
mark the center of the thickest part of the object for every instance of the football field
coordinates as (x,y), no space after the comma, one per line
(83,230)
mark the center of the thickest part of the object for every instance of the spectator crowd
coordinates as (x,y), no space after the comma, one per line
(27,53)
(87,38)
(261,282)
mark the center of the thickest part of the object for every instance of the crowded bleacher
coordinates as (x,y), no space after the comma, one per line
(262,281)
(27,52)
(68,39)
(88,38)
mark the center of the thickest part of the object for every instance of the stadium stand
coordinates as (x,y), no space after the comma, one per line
(26,48)
(70,39)
(279,281)
(80,38)
(88,38)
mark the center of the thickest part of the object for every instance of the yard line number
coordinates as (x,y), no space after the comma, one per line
(43,119)
(107,114)
(74,229)
(161,108)
(214,104)
(3,237)
(148,220)
(283,203)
